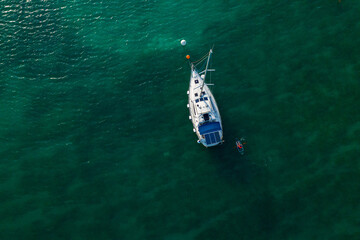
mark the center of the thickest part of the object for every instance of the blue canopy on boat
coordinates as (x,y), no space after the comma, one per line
(209,127)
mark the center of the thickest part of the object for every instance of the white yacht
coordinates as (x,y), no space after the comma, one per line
(204,112)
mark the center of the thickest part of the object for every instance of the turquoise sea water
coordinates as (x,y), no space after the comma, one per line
(94,130)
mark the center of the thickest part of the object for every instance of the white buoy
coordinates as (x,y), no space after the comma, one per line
(183,42)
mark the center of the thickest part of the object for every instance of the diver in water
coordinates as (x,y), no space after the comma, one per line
(240,145)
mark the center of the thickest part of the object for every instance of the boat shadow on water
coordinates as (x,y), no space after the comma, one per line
(235,167)
(251,183)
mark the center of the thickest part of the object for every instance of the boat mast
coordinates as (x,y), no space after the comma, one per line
(206,69)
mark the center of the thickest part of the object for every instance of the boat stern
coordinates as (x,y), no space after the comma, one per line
(210,134)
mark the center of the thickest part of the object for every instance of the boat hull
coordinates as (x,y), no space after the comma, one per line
(204,112)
